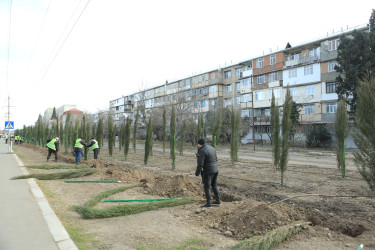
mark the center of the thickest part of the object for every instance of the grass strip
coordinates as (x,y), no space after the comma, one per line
(56,176)
(271,238)
(140,200)
(94,181)
(60,166)
(192,244)
(97,198)
(123,210)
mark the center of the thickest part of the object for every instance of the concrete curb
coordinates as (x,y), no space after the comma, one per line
(56,229)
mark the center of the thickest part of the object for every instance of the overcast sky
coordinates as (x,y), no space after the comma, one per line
(90,52)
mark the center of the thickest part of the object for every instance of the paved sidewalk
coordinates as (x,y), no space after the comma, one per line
(26,219)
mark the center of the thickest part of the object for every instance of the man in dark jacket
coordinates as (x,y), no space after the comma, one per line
(207,160)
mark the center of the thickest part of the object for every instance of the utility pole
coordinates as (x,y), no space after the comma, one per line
(252,111)
(9,135)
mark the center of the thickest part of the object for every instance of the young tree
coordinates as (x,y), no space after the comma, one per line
(127,138)
(214,123)
(100,132)
(200,128)
(355,58)
(181,141)
(121,136)
(173,137)
(285,130)
(67,133)
(341,131)
(235,135)
(93,130)
(164,127)
(275,132)
(75,133)
(135,128)
(111,135)
(61,133)
(148,141)
(364,135)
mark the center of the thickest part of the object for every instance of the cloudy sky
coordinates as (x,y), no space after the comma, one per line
(88,52)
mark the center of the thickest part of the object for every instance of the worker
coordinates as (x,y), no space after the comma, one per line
(53,147)
(78,149)
(16,139)
(6,139)
(94,146)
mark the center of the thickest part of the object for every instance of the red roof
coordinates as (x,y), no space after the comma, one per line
(73,112)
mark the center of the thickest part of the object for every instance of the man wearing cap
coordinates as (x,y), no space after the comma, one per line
(53,147)
(207,160)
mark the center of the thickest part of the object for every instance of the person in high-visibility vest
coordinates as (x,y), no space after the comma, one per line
(94,146)
(78,149)
(53,147)
(16,139)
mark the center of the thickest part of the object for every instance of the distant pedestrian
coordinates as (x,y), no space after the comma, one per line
(94,146)
(78,149)
(207,162)
(53,147)
(6,139)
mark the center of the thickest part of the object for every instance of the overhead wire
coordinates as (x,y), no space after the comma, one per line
(59,49)
(8,56)
(37,39)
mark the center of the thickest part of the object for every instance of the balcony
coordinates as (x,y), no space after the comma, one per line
(247,73)
(217,80)
(302,60)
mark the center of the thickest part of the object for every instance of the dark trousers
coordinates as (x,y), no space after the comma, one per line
(210,180)
(96,152)
(51,151)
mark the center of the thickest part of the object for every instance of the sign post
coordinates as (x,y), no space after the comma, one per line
(9,125)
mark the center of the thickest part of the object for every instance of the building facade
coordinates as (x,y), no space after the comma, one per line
(307,70)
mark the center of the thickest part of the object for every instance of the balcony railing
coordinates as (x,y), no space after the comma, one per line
(302,60)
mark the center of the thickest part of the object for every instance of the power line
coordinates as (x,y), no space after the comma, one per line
(58,51)
(37,39)
(9,32)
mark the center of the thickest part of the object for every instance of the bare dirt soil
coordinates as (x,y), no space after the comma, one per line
(248,190)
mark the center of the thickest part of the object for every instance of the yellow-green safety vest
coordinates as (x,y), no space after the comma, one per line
(78,143)
(95,145)
(51,144)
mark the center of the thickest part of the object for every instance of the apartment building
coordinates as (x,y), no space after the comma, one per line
(306,69)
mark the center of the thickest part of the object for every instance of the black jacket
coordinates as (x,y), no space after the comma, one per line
(207,160)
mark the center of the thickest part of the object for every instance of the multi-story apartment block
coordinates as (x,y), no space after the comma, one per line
(307,70)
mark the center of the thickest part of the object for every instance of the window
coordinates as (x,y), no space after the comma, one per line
(196,79)
(228,88)
(309,90)
(246,98)
(237,86)
(313,52)
(245,83)
(293,91)
(156,91)
(308,70)
(203,77)
(213,89)
(246,113)
(276,93)
(309,109)
(260,63)
(331,66)
(212,102)
(294,56)
(203,103)
(238,100)
(196,104)
(212,75)
(182,84)
(238,71)
(260,79)
(259,95)
(333,44)
(228,102)
(272,59)
(331,107)
(228,74)
(292,73)
(273,77)
(331,87)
